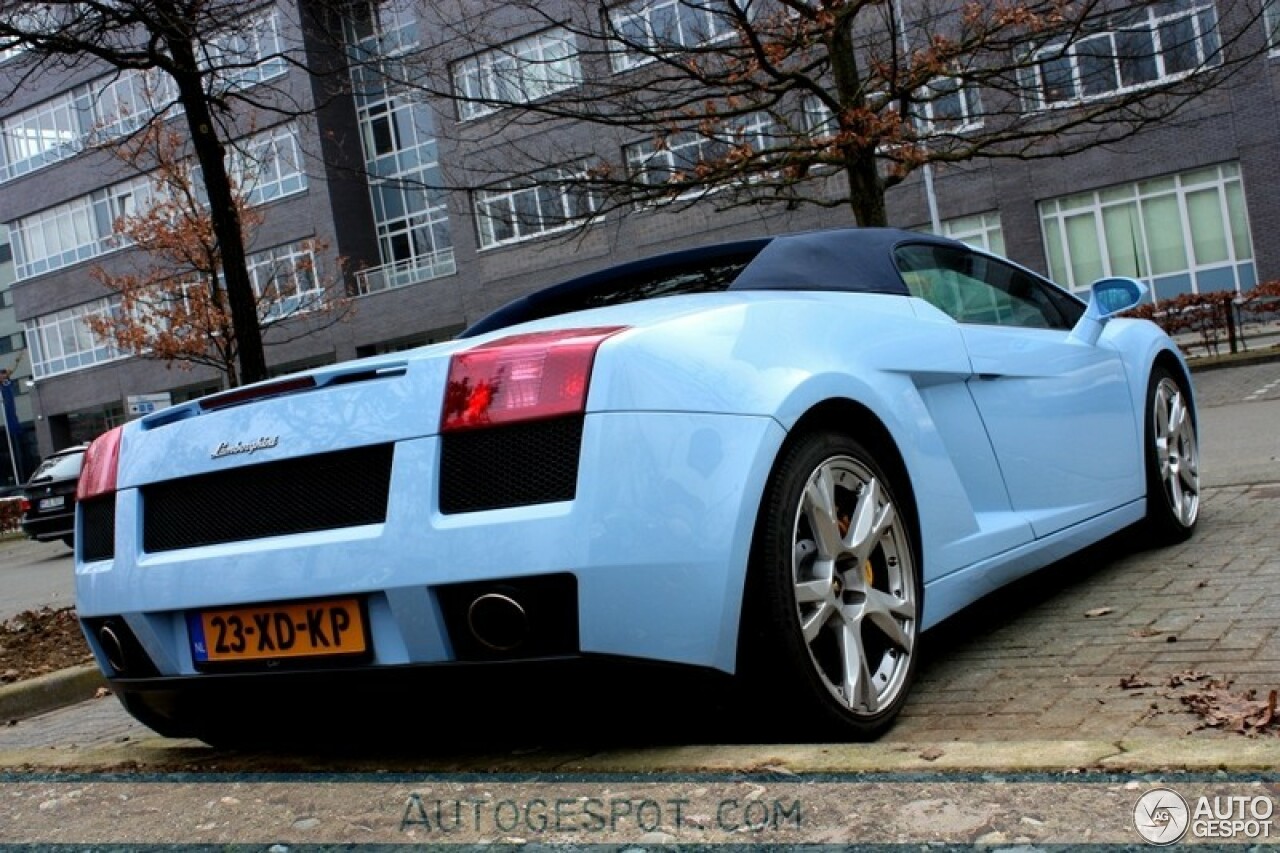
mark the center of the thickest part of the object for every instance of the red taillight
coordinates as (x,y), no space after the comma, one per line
(98,473)
(522,378)
(24,505)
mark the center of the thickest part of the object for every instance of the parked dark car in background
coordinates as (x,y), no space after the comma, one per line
(49,509)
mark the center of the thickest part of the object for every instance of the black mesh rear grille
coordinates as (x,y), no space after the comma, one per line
(505,466)
(98,528)
(341,489)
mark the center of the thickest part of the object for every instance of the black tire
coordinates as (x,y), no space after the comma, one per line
(1172,459)
(859,595)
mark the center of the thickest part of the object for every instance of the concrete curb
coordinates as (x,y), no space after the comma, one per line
(49,692)
(1241,359)
(1212,755)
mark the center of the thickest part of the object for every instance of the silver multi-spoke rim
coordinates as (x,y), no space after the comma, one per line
(855,585)
(1177,452)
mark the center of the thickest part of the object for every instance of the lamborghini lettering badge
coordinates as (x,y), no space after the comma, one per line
(227,449)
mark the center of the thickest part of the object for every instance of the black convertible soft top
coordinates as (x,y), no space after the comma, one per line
(847,259)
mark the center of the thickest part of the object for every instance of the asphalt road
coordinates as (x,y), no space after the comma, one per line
(33,574)
(1240,444)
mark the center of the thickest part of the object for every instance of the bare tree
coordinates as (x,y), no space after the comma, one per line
(173,307)
(818,102)
(196,57)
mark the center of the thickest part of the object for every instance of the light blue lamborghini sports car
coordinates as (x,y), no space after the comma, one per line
(780,459)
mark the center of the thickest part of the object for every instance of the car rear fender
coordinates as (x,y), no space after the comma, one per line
(787,356)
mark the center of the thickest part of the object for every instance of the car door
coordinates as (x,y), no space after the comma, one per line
(1058,412)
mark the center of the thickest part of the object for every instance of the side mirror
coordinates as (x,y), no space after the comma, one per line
(1107,298)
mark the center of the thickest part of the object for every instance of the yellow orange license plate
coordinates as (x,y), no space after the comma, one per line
(288,630)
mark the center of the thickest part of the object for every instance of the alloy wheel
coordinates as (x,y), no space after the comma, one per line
(855,586)
(1177,451)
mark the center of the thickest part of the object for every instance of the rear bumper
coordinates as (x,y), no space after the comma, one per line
(49,527)
(657,540)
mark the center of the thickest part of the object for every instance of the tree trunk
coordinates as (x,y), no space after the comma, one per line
(866,188)
(210,153)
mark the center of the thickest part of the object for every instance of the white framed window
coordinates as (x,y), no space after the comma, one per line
(76,230)
(981,230)
(415,246)
(127,198)
(1154,44)
(31,17)
(85,227)
(1181,233)
(523,209)
(94,113)
(45,133)
(677,157)
(54,238)
(1271,20)
(398,136)
(248,54)
(519,72)
(126,102)
(115,106)
(10,49)
(61,341)
(380,30)
(818,119)
(649,28)
(270,166)
(284,278)
(948,105)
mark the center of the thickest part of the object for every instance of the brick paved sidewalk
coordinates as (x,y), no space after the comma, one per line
(1028,664)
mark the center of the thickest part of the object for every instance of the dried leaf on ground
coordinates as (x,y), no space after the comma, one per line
(1240,711)
(37,642)
(1134,682)
(931,753)
(1191,675)
(1097,611)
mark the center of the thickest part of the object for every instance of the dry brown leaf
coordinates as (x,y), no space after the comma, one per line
(1242,711)
(1180,678)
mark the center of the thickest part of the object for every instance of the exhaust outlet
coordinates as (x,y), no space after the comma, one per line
(112,648)
(498,622)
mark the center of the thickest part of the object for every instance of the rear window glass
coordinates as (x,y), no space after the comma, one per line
(59,467)
(618,286)
(651,284)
